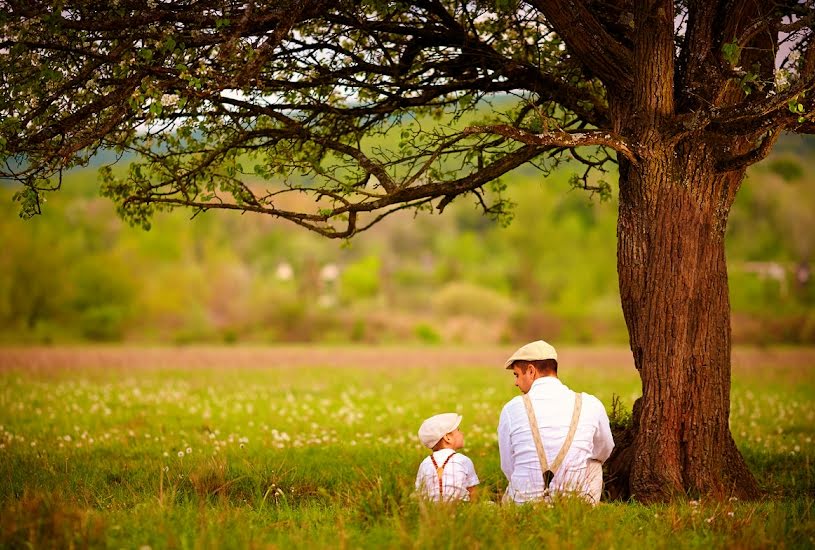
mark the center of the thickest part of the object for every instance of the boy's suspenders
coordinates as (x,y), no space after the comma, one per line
(440,472)
(549,473)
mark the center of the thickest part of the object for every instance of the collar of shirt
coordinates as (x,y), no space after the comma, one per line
(547,382)
(441,455)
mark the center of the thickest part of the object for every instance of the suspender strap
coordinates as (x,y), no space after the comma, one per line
(536,436)
(440,472)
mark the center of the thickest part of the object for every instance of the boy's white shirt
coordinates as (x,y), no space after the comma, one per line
(553,403)
(458,475)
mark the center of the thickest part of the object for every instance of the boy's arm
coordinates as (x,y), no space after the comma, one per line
(472,491)
(419,481)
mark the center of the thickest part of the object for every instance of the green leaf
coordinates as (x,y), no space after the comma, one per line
(731,52)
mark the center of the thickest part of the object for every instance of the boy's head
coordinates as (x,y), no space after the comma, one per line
(441,432)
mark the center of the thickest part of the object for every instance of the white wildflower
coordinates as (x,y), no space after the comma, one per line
(781,79)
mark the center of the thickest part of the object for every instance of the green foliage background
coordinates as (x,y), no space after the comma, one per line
(78,273)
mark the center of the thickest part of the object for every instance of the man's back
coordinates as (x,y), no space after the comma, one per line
(553,404)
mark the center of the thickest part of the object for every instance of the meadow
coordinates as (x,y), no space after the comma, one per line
(325,454)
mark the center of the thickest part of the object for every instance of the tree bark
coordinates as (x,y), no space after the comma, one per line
(673,285)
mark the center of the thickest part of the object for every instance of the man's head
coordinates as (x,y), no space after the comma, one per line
(532,361)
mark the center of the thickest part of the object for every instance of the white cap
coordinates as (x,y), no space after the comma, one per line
(434,428)
(533,351)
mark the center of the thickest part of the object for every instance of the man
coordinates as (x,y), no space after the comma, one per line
(575,437)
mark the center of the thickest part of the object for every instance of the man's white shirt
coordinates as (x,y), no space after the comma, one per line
(458,475)
(553,404)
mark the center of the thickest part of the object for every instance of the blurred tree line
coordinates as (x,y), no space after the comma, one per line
(78,273)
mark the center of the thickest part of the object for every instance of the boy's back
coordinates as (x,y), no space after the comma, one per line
(458,475)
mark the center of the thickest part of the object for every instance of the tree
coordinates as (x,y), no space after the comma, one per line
(682,95)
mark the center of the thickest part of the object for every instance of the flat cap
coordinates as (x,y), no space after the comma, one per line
(436,427)
(533,351)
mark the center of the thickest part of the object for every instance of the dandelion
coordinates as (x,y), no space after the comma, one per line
(189,450)
(180,454)
(710,519)
(730,514)
(166,453)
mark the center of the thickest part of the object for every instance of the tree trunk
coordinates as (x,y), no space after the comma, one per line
(673,286)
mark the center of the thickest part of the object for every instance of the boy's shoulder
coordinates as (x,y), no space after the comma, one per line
(462,458)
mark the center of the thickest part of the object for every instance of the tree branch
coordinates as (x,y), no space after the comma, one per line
(586,38)
(559,138)
(751,157)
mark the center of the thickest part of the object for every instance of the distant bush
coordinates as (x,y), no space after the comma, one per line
(360,279)
(473,300)
(427,334)
(103,323)
(788,169)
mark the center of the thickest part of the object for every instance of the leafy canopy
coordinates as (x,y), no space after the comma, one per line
(368,106)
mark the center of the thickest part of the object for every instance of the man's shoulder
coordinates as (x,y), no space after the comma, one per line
(516,401)
(589,398)
(593,403)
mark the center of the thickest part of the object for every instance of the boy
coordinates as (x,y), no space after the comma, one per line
(445,475)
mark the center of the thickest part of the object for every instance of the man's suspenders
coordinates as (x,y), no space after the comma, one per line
(440,472)
(549,473)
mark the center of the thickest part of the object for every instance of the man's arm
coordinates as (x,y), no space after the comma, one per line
(504,444)
(603,441)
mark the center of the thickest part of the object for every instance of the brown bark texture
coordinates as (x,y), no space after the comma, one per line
(673,286)
(673,211)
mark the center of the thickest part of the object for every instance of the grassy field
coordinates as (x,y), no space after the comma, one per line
(325,456)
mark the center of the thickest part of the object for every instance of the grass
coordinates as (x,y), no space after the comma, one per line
(326,457)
